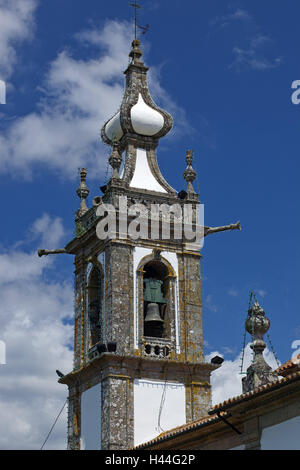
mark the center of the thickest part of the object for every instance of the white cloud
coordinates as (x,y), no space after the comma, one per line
(233,292)
(227,380)
(262,293)
(239,14)
(255,55)
(16,25)
(33,326)
(253,59)
(50,231)
(210,303)
(79,96)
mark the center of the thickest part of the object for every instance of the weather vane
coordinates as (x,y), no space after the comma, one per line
(144,29)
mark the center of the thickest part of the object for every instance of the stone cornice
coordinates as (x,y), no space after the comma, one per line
(140,368)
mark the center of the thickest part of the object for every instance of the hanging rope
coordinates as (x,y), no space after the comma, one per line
(57,418)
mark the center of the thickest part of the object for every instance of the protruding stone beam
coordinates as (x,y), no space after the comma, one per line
(210,230)
(53,252)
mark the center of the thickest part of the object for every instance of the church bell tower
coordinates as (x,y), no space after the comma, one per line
(138,310)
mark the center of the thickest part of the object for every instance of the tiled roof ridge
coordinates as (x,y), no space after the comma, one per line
(294,361)
(267,387)
(181,429)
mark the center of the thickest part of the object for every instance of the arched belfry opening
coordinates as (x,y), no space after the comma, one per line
(94,293)
(156,293)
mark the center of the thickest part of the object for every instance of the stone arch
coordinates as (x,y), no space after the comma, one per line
(94,297)
(155,266)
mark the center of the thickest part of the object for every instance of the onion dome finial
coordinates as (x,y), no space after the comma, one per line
(138,117)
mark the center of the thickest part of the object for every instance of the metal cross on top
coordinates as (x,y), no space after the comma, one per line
(144,29)
(135,6)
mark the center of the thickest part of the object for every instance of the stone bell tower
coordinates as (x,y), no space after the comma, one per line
(138,310)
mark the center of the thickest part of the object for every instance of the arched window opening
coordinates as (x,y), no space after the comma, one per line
(156,288)
(94,305)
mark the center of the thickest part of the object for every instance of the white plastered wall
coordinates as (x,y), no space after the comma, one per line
(143,177)
(283,436)
(91,419)
(153,399)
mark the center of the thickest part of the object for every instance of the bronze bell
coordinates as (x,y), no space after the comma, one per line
(153,313)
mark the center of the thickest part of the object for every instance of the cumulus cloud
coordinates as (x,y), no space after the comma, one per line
(16,25)
(35,319)
(79,96)
(227,380)
(49,231)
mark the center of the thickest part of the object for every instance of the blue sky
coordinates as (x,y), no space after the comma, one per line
(224,70)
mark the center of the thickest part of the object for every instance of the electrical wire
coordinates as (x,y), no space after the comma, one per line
(162,402)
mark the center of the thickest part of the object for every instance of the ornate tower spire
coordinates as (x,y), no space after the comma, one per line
(259,373)
(138,308)
(137,128)
(83,192)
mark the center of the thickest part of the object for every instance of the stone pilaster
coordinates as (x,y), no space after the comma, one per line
(117,404)
(74,419)
(80,313)
(119,296)
(198,398)
(190,307)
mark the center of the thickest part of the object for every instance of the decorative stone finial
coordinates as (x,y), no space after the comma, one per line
(189,174)
(259,373)
(83,192)
(136,52)
(115,160)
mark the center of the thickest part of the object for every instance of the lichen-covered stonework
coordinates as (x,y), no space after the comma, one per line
(177,356)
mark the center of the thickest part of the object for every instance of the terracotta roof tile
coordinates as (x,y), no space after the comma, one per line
(293,363)
(257,391)
(182,429)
